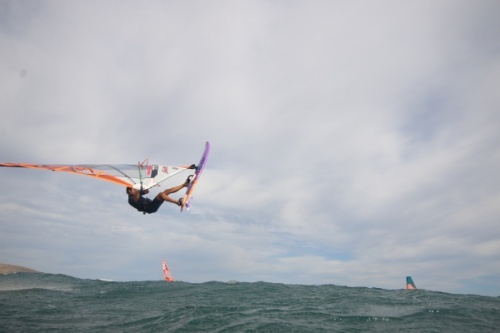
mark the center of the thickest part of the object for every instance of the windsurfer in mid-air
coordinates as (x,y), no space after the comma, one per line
(146,205)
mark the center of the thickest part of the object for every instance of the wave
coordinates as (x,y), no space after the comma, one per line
(65,303)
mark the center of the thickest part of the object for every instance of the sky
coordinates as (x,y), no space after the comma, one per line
(353,142)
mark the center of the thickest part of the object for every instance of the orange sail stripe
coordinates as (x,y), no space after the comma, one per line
(85,171)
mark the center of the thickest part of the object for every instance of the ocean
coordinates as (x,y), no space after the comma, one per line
(37,302)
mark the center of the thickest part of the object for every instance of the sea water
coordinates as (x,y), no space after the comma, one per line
(36,302)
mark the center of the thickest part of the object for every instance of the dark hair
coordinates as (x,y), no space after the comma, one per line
(128,189)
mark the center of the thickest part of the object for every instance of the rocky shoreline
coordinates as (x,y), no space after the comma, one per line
(9,269)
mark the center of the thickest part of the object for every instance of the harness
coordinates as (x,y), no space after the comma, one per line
(142,205)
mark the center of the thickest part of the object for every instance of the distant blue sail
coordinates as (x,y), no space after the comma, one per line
(409,283)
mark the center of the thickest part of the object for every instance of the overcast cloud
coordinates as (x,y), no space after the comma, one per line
(353,142)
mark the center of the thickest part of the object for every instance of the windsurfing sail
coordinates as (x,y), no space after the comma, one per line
(409,283)
(140,176)
(167,274)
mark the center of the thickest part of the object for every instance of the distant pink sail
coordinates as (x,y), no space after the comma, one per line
(166,272)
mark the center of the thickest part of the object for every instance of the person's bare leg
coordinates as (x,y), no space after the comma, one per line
(164,195)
